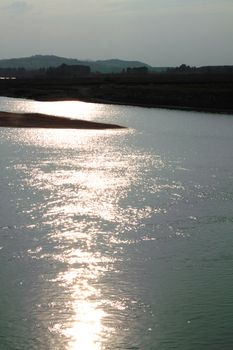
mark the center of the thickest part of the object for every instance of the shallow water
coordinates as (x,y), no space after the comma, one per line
(116,239)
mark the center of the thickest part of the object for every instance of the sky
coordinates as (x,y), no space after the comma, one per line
(157,32)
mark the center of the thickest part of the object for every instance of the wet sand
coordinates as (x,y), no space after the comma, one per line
(36,120)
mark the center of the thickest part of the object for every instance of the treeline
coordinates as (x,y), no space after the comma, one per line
(65,71)
(181,73)
(185,69)
(22,72)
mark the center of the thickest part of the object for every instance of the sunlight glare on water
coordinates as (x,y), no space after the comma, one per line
(70,109)
(86,329)
(82,197)
(118,239)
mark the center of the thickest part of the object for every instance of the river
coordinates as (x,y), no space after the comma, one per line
(116,239)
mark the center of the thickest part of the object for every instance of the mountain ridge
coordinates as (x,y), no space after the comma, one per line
(113,65)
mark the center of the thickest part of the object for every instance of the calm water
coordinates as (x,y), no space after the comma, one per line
(117,239)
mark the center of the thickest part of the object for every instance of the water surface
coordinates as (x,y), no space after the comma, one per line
(118,239)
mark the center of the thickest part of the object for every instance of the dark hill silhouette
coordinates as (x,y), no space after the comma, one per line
(46,61)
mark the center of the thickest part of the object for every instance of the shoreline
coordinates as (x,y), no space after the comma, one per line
(210,94)
(36,120)
(129,104)
(132,104)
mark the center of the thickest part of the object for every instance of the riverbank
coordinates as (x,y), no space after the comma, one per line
(35,120)
(209,93)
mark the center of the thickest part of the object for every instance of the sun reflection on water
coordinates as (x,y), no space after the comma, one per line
(70,109)
(86,330)
(82,193)
(83,178)
(96,225)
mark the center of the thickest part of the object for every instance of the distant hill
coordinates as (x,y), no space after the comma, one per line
(46,61)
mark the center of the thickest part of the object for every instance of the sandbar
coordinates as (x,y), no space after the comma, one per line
(37,120)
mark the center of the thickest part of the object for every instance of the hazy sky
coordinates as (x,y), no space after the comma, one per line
(158,32)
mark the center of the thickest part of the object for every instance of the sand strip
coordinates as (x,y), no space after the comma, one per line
(36,120)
